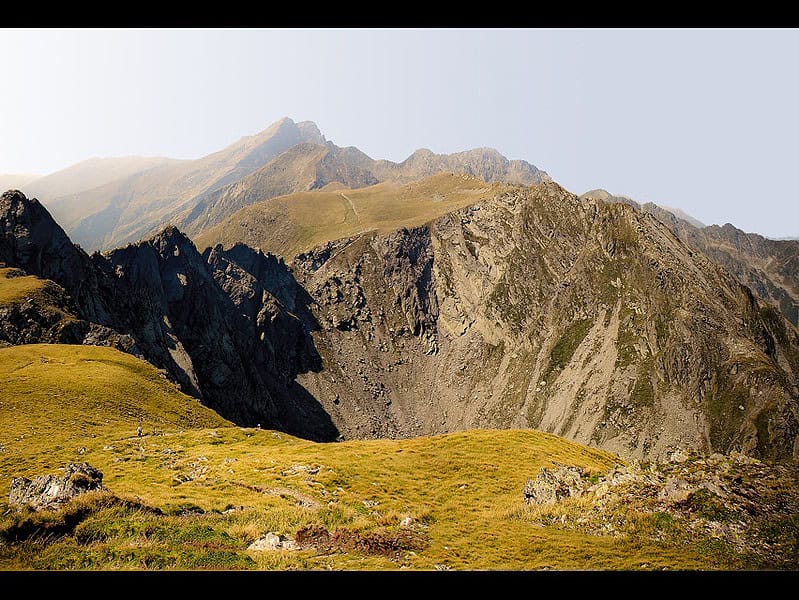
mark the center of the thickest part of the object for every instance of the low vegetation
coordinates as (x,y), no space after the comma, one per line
(16,286)
(289,225)
(194,491)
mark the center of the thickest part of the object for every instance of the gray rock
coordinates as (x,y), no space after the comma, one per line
(51,491)
(676,490)
(552,485)
(407,521)
(273,541)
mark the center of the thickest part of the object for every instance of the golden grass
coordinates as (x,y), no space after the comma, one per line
(289,225)
(55,399)
(15,289)
(464,490)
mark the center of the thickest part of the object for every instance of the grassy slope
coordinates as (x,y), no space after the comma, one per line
(298,222)
(68,403)
(17,288)
(55,399)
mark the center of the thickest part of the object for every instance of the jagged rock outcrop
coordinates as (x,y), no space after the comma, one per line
(217,329)
(31,240)
(51,491)
(552,485)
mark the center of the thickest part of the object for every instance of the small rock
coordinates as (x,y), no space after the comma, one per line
(272,541)
(407,521)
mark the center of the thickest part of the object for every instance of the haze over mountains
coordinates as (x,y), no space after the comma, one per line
(333,296)
(105,203)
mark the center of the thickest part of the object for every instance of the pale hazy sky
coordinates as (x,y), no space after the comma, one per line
(705,120)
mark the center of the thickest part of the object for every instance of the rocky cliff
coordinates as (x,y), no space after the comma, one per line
(531,308)
(539,309)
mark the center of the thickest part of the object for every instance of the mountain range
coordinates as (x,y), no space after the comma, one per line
(104,203)
(290,283)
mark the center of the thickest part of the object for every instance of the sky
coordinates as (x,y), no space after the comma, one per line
(703,120)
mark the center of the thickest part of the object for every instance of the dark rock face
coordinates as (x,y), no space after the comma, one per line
(51,491)
(233,335)
(31,240)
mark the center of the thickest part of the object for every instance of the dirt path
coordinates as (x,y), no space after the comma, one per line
(352,206)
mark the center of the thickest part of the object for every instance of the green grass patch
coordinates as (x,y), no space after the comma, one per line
(567,344)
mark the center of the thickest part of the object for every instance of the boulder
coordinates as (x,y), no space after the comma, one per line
(552,485)
(51,491)
(272,541)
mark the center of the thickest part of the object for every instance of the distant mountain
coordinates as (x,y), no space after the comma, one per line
(295,223)
(485,163)
(681,214)
(606,196)
(109,202)
(306,166)
(131,197)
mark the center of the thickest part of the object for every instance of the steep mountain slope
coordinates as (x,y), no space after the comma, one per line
(303,167)
(769,267)
(536,308)
(298,222)
(133,198)
(681,214)
(13,181)
(89,174)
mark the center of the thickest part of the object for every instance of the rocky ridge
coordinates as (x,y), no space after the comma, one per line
(749,505)
(588,319)
(51,491)
(580,317)
(188,315)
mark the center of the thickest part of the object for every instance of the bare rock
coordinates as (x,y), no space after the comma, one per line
(552,485)
(676,490)
(273,541)
(51,491)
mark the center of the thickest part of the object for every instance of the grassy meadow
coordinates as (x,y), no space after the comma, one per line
(289,225)
(195,491)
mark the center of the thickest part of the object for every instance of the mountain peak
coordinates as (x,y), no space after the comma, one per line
(170,237)
(15,196)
